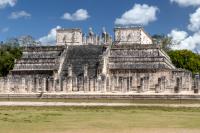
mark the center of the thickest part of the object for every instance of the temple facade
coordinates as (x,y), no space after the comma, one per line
(78,63)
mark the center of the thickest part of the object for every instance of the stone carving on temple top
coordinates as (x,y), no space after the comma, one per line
(69,36)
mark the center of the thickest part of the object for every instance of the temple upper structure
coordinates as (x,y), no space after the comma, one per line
(75,37)
(69,37)
(92,63)
(132,35)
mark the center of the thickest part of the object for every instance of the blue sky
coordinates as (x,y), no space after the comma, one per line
(38,17)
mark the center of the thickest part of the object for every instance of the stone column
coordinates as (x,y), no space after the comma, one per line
(86,84)
(70,79)
(134,81)
(37,85)
(7,88)
(86,79)
(117,79)
(104,85)
(108,87)
(141,87)
(64,86)
(70,84)
(98,85)
(60,85)
(1,83)
(142,84)
(197,83)
(177,86)
(30,85)
(85,70)
(112,84)
(54,89)
(23,85)
(124,85)
(91,85)
(190,82)
(158,86)
(76,84)
(163,86)
(44,86)
(50,85)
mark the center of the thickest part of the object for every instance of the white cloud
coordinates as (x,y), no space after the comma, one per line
(19,14)
(186,3)
(51,37)
(79,15)
(184,41)
(139,14)
(195,21)
(178,36)
(5,3)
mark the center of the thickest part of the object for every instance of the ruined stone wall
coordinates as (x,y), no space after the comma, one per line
(168,82)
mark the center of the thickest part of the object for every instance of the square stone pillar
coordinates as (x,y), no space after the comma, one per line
(106,85)
(23,85)
(158,86)
(44,85)
(55,86)
(30,85)
(50,85)
(37,87)
(6,85)
(92,85)
(1,85)
(70,84)
(177,88)
(64,86)
(197,83)
(97,85)
(75,88)
(124,85)
(86,84)
(112,84)
(60,85)
(142,84)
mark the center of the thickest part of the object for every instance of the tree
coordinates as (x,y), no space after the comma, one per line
(185,59)
(180,58)
(26,40)
(8,55)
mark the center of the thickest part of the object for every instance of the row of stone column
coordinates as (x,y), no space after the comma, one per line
(126,84)
(74,84)
(34,85)
(141,84)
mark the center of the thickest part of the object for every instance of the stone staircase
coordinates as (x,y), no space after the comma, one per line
(62,62)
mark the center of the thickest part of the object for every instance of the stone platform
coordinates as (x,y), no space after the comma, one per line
(102,96)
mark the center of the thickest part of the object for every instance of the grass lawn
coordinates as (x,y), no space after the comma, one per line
(99,120)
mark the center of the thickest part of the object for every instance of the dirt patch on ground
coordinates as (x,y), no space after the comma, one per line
(134,130)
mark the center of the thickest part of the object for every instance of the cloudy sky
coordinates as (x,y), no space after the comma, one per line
(179,19)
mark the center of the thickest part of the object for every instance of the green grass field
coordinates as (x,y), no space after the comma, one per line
(99,120)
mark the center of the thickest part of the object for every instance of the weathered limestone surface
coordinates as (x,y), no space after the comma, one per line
(131,64)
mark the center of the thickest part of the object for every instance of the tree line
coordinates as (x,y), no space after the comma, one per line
(8,55)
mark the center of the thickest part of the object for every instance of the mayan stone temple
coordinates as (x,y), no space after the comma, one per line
(90,64)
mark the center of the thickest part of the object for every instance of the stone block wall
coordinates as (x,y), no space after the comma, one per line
(118,82)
